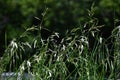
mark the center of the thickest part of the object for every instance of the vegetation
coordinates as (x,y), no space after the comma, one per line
(70,52)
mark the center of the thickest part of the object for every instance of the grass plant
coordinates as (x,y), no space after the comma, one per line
(70,59)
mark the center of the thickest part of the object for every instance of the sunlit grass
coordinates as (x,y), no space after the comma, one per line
(69,59)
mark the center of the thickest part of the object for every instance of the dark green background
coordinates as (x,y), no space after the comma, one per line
(62,15)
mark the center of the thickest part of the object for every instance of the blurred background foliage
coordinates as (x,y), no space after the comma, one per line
(61,15)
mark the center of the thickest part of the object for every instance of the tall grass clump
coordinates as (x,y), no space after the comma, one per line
(116,35)
(63,58)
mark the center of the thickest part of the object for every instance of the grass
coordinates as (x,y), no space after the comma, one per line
(69,59)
